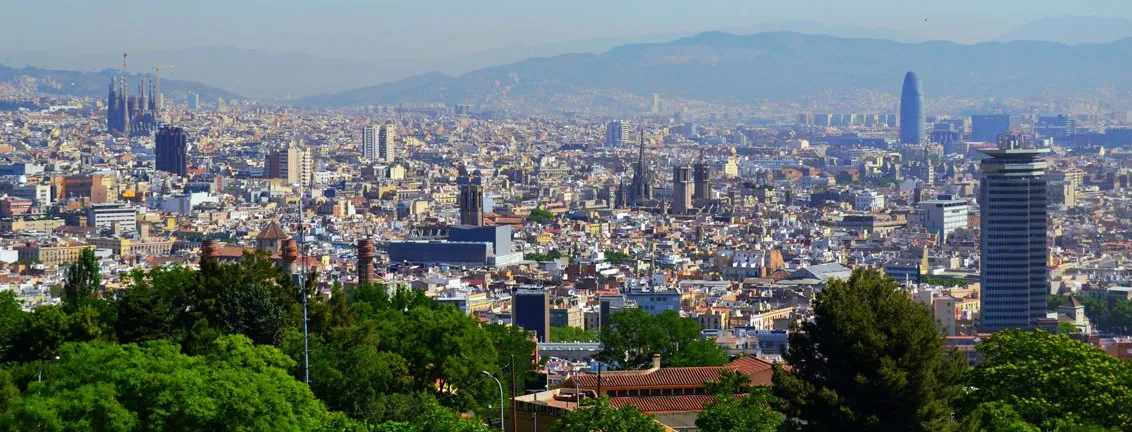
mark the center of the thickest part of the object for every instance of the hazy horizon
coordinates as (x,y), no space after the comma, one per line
(432,29)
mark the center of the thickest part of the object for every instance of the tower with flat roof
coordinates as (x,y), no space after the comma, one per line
(1012,200)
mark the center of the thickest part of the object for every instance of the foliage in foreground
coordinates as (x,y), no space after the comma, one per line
(872,359)
(600,415)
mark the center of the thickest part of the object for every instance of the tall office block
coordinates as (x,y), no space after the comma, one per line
(292,163)
(1012,199)
(911,110)
(377,143)
(471,204)
(682,189)
(369,143)
(171,151)
(615,133)
(385,151)
(194,101)
(530,309)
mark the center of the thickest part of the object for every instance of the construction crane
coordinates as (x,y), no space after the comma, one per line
(157,90)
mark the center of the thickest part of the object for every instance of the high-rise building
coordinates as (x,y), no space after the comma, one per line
(194,101)
(377,143)
(987,128)
(471,204)
(530,309)
(171,151)
(656,108)
(911,110)
(385,151)
(616,132)
(1012,199)
(682,188)
(292,163)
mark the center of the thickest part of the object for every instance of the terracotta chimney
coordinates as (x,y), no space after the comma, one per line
(209,249)
(365,261)
(655,362)
(290,254)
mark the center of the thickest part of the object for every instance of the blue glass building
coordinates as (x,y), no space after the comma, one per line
(911,110)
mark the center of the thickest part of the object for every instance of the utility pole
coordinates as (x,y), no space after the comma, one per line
(303,290)
(514,410)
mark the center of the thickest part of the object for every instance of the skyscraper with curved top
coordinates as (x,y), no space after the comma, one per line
(911,110)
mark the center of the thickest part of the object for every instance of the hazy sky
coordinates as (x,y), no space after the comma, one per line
(438,28)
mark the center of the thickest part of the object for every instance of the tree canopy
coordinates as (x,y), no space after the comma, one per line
(571,334)
(600,415)
(1042,376)
(632,336)
(872,359)
(235,385)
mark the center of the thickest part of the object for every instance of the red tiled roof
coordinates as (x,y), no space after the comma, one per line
(272,232)
(759,372)
(665,404)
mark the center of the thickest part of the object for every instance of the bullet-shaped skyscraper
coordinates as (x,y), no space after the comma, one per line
(911,110)
(1012,200)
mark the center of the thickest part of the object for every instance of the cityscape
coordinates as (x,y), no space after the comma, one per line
(536,245)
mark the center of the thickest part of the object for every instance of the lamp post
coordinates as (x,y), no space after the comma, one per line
(41,368)
(502,420)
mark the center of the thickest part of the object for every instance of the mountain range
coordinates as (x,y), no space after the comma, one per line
(777,66)
(281,77)
(95,84)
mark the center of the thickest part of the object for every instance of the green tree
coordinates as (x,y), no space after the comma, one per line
(729,383)
(632,337)
(540,215)
(513,342)
(870,360)
(753,412)
(600,415)
(1043,376)
(615,258)
(571,334)
(156,304)
(996,417)
(111,387)
(83,283)
(1065,328)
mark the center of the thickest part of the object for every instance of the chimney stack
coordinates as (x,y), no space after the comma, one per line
(209,249)
(290,256)
(365,261)
(655,362)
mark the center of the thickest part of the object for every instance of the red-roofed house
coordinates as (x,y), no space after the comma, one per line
(675,395)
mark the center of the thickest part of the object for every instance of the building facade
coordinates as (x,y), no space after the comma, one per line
(1014,276)
(292,163)
(530,309)
(943,216)
(911,110)
(171,151)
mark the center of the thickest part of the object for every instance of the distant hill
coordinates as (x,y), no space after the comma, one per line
(776,66)
(1072,30)
(284,76)
(95,84)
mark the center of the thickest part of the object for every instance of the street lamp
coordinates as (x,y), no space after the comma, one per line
(41,367)
(502,420)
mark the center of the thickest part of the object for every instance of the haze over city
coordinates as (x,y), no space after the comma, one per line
(527,216)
